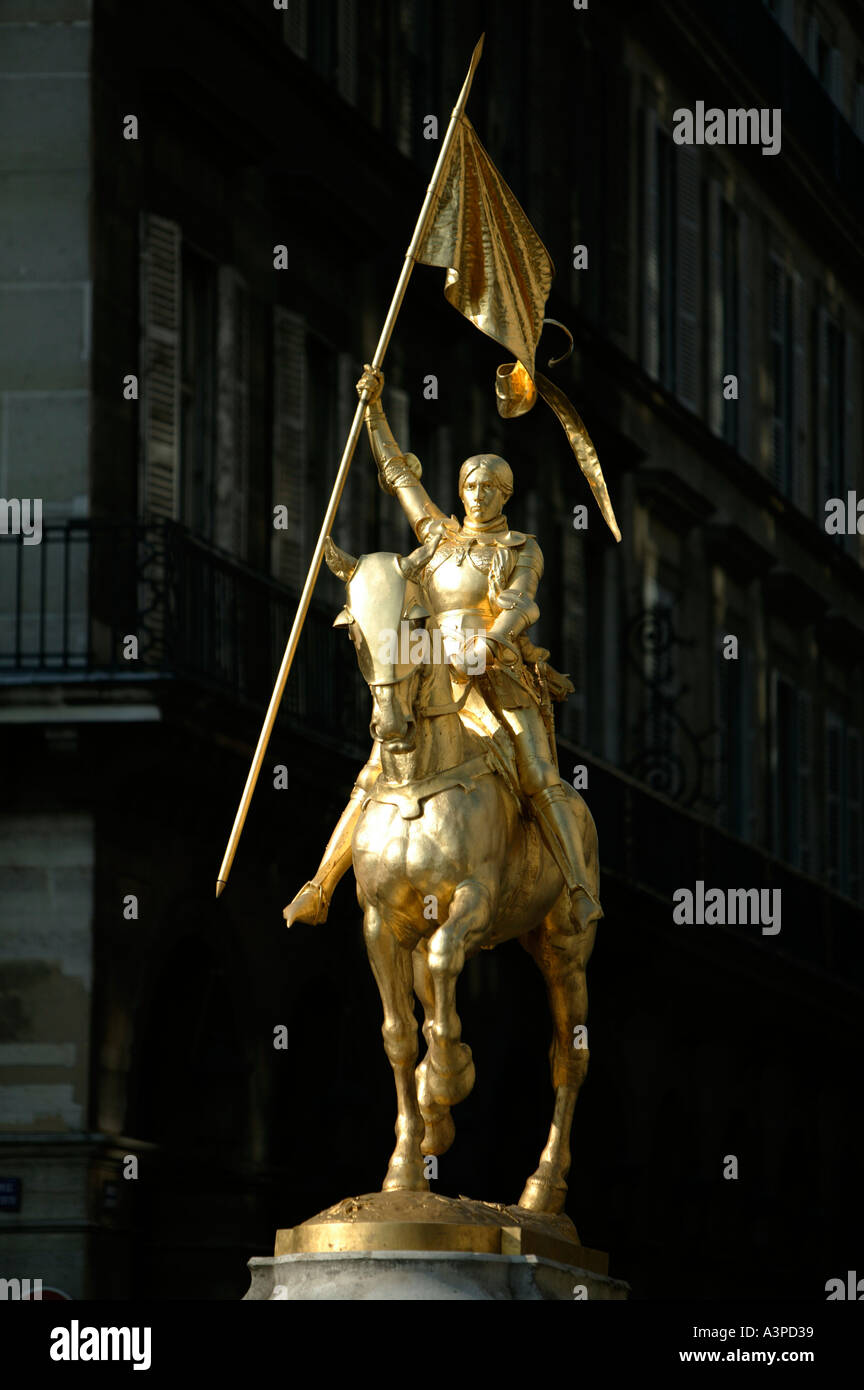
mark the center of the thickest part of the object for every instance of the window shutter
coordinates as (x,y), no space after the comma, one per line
(745,293)
(688,286)
(717,368)
(159,494)
(823,389)
(650,248)
(232,417)
(290,560)
(800,403)
(295,27)
(346,68)
(349,528)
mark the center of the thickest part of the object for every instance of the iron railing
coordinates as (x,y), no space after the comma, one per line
(70,606)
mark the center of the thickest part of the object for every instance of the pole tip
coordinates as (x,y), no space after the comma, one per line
(220,884)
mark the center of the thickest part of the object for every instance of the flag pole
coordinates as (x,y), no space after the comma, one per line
(341,476)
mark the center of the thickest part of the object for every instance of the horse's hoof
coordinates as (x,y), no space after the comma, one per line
(540,1195)
(436,1088)
(308,906)
(451,1087)
(440,1133)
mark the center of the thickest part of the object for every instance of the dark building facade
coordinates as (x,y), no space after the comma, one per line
(207,207)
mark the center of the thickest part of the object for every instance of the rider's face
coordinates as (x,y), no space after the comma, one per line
(481,499)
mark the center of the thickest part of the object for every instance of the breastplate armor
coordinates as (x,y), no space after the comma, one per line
(457,577)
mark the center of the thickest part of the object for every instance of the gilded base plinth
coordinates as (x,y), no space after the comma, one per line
(427,1221)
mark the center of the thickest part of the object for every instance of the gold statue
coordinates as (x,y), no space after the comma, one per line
(461,832)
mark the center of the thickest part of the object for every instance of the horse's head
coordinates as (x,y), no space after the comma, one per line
(384,607)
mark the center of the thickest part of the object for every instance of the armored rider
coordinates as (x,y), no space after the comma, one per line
(481,578)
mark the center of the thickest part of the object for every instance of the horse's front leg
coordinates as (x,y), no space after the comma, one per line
(448,1071)
(393,971)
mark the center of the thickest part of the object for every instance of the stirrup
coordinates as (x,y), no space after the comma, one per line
(321,905)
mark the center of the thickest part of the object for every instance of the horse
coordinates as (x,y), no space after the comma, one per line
(448,862)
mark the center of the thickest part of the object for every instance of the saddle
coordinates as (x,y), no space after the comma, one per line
(489,739)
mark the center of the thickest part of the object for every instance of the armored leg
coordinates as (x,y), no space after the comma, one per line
(551,804)
(565,845)
(312,903)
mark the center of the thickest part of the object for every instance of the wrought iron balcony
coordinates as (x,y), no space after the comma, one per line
(69,605)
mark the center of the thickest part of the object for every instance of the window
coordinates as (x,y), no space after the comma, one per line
(735,716)
(843,806)
(672,288)
(729,326)
(835,409)
(666,259)
(727,280)
(655,642)
(781,367)
(790,769)
(326,35)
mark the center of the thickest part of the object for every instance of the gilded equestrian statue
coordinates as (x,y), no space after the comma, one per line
(461,832)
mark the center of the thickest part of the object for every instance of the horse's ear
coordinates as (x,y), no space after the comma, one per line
(412,565)
(339,561)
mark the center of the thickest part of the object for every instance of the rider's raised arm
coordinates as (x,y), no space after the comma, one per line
(398,473)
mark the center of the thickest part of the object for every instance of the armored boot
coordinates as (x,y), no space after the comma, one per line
(312,903)
(552,809)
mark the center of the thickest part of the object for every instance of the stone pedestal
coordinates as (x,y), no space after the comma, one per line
(419,1245)
(386,1275)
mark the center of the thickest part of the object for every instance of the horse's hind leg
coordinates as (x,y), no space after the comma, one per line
(562,956)
(391,966)
(440,1129)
